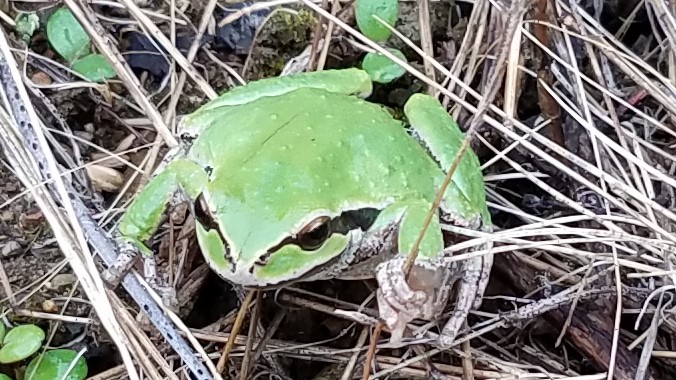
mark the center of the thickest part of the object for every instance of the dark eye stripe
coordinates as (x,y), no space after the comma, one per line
(342,224)
(204,216)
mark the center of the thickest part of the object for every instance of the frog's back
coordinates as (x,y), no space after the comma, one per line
(278,159)
(314,142)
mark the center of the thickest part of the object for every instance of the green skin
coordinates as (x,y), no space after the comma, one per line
(272,161)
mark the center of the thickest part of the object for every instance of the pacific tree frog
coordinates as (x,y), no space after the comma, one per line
(298,178)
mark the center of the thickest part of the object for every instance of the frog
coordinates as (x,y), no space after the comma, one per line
(300,178)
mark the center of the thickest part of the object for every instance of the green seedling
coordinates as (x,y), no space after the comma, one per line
(69,39)
(55,364)
(379,67)
(23,342)
(20,343)
(26,25)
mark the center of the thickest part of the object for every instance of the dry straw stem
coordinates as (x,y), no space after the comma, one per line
(65,226)
(143,349)
(85,16)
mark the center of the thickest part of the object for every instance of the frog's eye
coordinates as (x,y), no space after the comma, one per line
(315,233)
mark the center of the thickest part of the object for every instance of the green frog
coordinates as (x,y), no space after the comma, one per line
(299,178)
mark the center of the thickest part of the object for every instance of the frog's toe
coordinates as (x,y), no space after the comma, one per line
(486,266)
(394,316)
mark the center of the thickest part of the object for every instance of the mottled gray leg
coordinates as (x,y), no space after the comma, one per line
(123,263)
(465,300)
(162,287)
(473,283)
(487,265)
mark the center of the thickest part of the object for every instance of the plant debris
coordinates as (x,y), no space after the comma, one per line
(578,157)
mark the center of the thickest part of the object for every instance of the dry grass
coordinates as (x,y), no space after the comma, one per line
(605,126)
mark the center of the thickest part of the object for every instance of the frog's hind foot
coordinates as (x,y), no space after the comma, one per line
(475,273)
(427,292)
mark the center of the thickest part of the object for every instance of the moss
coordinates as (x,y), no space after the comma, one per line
(283,37)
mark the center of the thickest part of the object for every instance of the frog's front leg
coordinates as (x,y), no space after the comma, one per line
(424,293)
(179,180)
(464,202)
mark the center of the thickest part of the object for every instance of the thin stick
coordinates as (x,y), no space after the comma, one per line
(237,325)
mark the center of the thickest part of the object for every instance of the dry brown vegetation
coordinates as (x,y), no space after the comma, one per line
(577,104)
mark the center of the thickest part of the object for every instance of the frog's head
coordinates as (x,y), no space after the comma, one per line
(251,249)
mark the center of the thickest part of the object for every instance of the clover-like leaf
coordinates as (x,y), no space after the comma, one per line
(4,377)
(54,364)
(20,343)
(382,69)
(66,35)
(387,10)
(94,67)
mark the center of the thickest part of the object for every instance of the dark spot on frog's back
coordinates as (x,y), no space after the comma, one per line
(208,169)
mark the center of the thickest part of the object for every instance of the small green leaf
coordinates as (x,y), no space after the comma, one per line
(3,330)
(27,24)
(20,343)
(382,69)
(94,67)
(387,10)
(4,377)
(66,35)
(54,365)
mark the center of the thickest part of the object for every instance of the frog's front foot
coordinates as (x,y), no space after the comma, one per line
(427,291)
(423,296)
(123,264)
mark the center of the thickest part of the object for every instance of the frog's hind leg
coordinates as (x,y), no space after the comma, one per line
(177,181)
(467,298)
(440,135)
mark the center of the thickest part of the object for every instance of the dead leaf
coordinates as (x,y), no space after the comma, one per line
(104,178)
